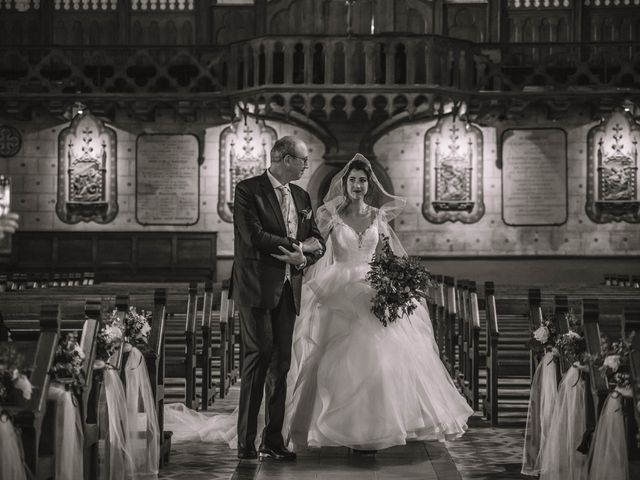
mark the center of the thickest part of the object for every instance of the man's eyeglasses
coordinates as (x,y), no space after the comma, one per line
(305,160)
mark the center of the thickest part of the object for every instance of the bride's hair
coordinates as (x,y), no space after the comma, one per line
(356,165)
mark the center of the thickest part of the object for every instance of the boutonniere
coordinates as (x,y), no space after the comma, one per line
(305,214)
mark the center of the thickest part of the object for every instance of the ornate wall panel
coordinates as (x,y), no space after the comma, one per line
(87,186)
(10,141)
(244,152)
(612,179)
(453,172)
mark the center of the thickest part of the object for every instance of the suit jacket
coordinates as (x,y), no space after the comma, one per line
(259,229)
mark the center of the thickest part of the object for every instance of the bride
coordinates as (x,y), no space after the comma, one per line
(353,382)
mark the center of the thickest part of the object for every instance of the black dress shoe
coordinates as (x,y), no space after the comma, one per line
(280,454)
(247,453)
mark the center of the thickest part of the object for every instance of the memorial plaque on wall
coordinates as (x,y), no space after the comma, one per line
(167,179)
(534,177)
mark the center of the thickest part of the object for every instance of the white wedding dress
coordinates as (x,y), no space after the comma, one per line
(354,382)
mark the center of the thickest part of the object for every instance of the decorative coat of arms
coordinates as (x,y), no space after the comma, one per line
(612,193)
(87,187)
(453,172)
(244,152)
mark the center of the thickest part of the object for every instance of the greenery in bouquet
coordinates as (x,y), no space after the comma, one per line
(571,346)
(137,327)
(399,282)
(543,338)
(110,337)
(68,361)
(613,362)
(12,376)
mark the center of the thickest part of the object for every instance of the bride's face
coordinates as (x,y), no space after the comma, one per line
(357,184)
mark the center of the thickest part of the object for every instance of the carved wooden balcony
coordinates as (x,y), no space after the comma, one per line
(379,74)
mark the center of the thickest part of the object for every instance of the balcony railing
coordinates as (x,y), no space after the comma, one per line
(309,63)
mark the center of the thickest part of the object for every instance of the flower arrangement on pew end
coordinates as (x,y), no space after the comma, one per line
(137,328)
(110,337)
(400,283)
(571,346)
(68,362)
(613,364)
(543,338)
(14,382)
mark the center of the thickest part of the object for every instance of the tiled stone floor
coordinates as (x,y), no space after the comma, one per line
(482,453)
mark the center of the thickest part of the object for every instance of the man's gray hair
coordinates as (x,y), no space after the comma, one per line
(283,146)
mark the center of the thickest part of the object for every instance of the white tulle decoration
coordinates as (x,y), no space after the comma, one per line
(608,455)
(561,460)
(11,464)
(544,390)
(114,428)
(69,437)
(144,432)
(190,426)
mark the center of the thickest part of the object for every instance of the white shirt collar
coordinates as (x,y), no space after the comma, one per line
(275,183)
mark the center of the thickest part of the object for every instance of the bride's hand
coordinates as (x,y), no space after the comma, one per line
(293,257)
(311,245)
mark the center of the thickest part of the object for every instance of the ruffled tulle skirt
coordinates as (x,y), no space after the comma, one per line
(354,382)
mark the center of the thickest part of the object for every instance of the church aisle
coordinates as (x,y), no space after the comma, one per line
(482,453)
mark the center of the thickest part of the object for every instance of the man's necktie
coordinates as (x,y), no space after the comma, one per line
(285,205)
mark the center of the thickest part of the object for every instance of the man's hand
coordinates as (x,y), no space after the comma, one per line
(312,245)
(293,257)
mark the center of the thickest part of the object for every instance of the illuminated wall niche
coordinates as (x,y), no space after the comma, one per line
(87,186)
(612,170)
(453,172)
(244,152)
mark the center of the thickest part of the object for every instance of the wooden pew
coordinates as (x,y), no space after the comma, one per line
(185,367)
(471,384)
(450,338)
(233,371)
(28,415)
(155,361)
(490,401)
(205,352)
(596,388)
(461,330)
(535,320)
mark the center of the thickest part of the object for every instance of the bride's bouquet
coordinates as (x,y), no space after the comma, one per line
(398,282)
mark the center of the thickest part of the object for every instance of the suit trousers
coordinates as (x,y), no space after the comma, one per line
(266,340)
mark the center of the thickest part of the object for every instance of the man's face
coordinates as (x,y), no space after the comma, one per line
(296,161)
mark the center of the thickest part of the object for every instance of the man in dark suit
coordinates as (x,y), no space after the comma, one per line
(276,237)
